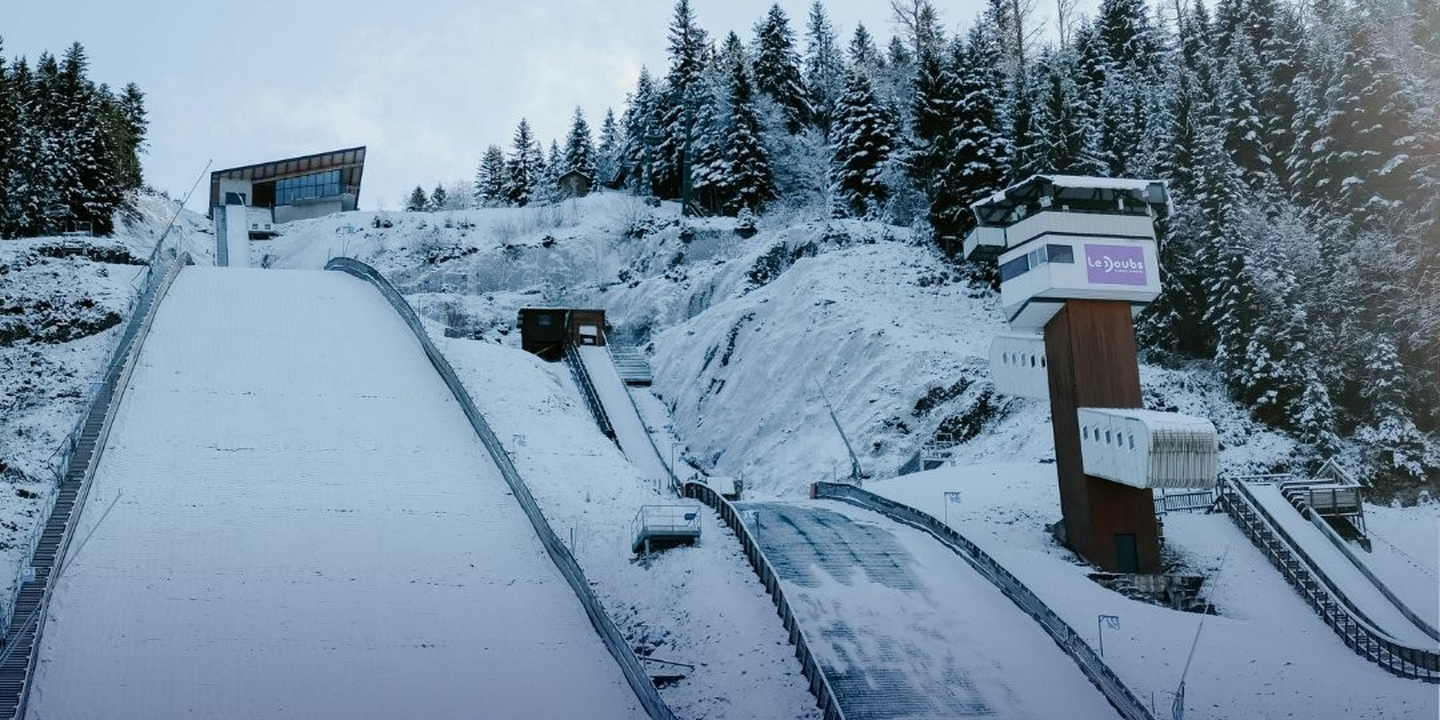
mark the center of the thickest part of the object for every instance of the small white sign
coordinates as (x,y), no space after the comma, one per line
(952,496)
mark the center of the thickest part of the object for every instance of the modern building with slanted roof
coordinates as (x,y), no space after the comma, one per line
(296,188)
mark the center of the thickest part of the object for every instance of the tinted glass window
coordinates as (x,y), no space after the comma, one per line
(1060,253)
(1015,268)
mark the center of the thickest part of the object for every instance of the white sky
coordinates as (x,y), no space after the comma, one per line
(425,85)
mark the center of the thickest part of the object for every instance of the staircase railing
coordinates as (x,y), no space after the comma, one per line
(1320,592)
(80,456)
(587,390)
(1065,636)
(819,684)
(605,627)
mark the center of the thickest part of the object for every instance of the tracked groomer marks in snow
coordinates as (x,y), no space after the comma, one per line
(904,629)
(304,525)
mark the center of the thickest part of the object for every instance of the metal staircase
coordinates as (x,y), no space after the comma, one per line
(24,617)
(630,361)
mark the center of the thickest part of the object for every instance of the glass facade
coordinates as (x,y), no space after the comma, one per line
(1035,258)
(304,187)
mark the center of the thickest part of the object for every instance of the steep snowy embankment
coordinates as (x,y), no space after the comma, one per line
(63,305)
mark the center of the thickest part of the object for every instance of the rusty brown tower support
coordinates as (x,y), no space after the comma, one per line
(1090,348)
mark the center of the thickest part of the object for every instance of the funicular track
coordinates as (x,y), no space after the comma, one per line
(1321,592)
(24,614)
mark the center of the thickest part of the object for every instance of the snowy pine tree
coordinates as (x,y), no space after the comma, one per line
(862,148)
(824,70)
(609,154)
(491,178)
(417,202)
(750,181)
(777,69)
(579,151)
(438,198)
(523,167)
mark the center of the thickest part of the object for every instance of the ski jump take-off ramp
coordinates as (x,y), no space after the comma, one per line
(293,519)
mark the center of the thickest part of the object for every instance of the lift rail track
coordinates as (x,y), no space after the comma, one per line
(1065,636)
(24,614)
(610,634)
(1320,592)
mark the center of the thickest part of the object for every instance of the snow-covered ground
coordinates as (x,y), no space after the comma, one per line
(906,629)
(740,332)
(293,519)
(1266,655)
(698,605)
(1363,593)
(63,305)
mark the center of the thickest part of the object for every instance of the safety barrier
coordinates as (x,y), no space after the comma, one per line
(1065,636)
(25,610)
(815,675)
(610,634)
(1320,592)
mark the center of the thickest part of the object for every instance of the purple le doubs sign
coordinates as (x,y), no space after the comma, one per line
(1115,264)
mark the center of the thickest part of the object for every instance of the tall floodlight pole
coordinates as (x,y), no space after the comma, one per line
(1078,257)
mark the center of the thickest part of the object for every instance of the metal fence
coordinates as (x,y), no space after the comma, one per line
(610,634)
(1065,636)
(1320,592)
(16,670)
(58,463)
(815,675)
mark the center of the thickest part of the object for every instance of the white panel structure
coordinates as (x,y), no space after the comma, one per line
(991,241)
(1017,363)
(1148,449)
(237,235)
(1037,277)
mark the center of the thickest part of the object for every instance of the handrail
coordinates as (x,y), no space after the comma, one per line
(587,390)
(117,377)
(1320,592)
(610,634)
(820,687)
(1094,668)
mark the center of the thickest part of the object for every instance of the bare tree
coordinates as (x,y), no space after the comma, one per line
(1065,20)
(919,21)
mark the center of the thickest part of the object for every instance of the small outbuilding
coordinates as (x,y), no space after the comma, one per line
(546,331)
(574,184)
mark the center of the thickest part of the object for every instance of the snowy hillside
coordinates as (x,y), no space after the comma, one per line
(63,303)
(744,333)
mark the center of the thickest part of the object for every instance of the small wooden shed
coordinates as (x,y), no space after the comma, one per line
(574,184)
(546,331)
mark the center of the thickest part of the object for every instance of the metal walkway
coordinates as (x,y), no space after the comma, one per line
(905,629)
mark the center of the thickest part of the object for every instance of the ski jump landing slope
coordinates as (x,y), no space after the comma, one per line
(905,629)
(293,519)
(630,430)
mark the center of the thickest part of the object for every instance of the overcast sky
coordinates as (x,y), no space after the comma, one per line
(426,84)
